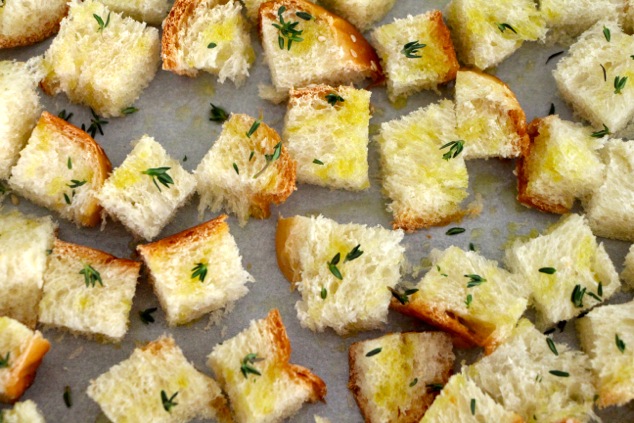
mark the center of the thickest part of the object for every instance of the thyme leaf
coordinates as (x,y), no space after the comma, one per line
(159,174)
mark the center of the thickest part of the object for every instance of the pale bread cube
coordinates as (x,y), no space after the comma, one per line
(582,83)
(26,22)
(22,412)
(454,405)
(468,296)
(138,192)
(567,19)
(95,303)
(564,261)
(610,207)
(328,137)
(246,170)
(22,351)
(360,13)
(607,336)
(208,35)
(150,11)
(105,68)
(62,168)
(525,376)
(132,391)
(559,165)
(23,239)
(21,102)
(485,32)
(627,275)
(396,384)
(410,70)
(489,118)
(253,369)
(424,189)
(369,262)
(196,271)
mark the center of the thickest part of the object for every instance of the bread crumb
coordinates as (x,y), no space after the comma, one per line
(76,353)
(216,316)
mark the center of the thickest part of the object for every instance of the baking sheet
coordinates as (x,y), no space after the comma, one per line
(175,110)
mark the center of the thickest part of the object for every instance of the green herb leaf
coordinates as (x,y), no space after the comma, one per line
(100,22)
(185,158)
(355,253)
(254,128)
(413,382)
(333,98)
(469,300)
(74,183)
(287,32)
(455,231)
(199,271)
(68,399)
(4,362)
(606,33)
(270,158)
(602,133)
(593,295)
(455,148)
(160,174)
(146,315)
(95,125)
(168,403)
(217,114)
(324,293)
(552,346)
(318,162)
(548,270)
(235,167)
(410,49)
(374,352)
(402,297)
(605,73)
(551,111)
(577,296)
(474,280)
(504,26)
(552,56)
(619,84)
(471,247)
(212,45)
(67,199)
(600,289)
(129,110)
(619,343)
(435,387)
(91,276)
(559,373)
(251,155)
(246,367)
(332,266)
(64,115)
(69,163)
(473,406)
(303,15)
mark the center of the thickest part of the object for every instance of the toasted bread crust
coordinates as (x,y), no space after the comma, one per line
(443,35)
(92,255)
(522,176)
(319,90)
(46,29)
(89,147)
(411,223)
(357,48)
(23,371)
(177,18)
(289,268)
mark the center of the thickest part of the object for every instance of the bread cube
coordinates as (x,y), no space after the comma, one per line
(253,369)
(196,271)
(559,165)
(24,244)
(102,63)
(527,377)
(423,173)
(21,352)
(393,377)
(158,384)
(567,19)
(627,275)
(331,51)
(23,23)
(23,412)
(150,11)
(147,189)
(468,296)
(20,100)
(326,131)
(596,96)
(607,336)
(246,170)
(416,53)
(208,35)
(88,291)
(490,120)
(331,264)
(462,401)
(485,33)
(62,168)
(565,269)
(360,13)
(610,207)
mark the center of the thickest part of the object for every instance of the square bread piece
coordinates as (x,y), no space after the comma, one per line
(489,118)
(607,336)
(462,401)
(21,102)
(25,241)
(485,32)
(147,189)
(393,378)
(144,387)
(207,35)
(88,291)
(22,412)
(526,376)
(559,165)
(627,275)
(332,264)
(23,23)
(416,53)
(566,270)
(468,296)
(327,132)
(360,13)
(600,98)
(21,352)
(196,271)
(331,51)
(423,173)
(246,170)
(610,207)
(104,66)
(150,11)
(62,168)
(253,369)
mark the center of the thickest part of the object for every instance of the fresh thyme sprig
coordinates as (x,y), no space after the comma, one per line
(474,280)
(619,343)
(91,276)
(455,231)
(217,114)
(402,297)
(68,398)
(504,26)
(160,174)
(74,183)
(374,352)
(303,15)
(410,50)
(65,115)
(318,162)
(559,373)
(607,34)
(333,98)
(254,128)
(199,271)
(146,315)
(332,266)
(619,83)
(212,45)
(100,22)
(4,362)
(95,125)
(287,31)
(324,293)
(602,133)
(547,270)
(473,406)
(469,300)
(270,158)
(552,346)
(246,367)
(235,167)
(577,296)
(455,148)
(355,253)
(69,163)
(129,110)
(168,402)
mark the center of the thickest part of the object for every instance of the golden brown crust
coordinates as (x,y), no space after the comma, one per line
(178,18)
(92,256)
(101,164)
(22,372)
(358,49)
(42,32)
(522,176)
(411,223)
(291,269)
(319,90)
(442,34)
